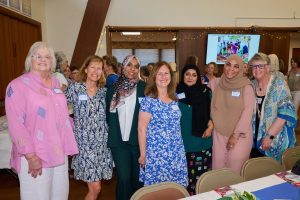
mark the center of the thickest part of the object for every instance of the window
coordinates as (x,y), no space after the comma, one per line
(120,54)
(146,55)
(168,55)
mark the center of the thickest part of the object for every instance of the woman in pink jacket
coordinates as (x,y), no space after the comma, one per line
(40,128)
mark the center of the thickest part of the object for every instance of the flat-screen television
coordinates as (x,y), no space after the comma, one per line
(221,46)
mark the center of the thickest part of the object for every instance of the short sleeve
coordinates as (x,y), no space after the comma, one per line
(70,92)
(146,105)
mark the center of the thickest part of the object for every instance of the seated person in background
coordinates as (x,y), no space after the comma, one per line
(75,76)
(275,118)
(150,66)
(62,69)
(144,73)
(192,59)
(110,70)
(246,70)
(210,70)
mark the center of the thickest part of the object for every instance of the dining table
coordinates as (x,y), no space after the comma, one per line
(280,186)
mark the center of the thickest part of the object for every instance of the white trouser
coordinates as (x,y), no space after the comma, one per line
(53,184)
(296,99)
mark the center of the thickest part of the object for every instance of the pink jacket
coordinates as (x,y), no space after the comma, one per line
(38,121)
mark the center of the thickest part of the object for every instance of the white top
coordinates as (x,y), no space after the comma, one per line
(125,113)
(61,78)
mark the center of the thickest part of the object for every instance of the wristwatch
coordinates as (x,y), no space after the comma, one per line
(268,135)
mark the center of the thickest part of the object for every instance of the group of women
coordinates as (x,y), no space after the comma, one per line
(153,132)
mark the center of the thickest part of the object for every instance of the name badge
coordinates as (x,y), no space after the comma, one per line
(258,100)
(235,93)
(297,75)
(140,99)
(82,97)
(57,91)
(181,95)
(175,107)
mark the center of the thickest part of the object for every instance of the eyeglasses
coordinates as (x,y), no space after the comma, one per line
(259,66)
(38,57)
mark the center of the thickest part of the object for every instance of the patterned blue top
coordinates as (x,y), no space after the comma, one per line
(94,161)
(277,104)
(165,155)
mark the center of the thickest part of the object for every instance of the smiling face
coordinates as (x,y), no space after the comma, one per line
(163,77)
(131,71)
(94,71)
(190,77)
(41,61)
(231,69)
(259,69)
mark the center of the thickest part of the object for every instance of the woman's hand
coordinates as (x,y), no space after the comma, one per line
(142,161)
(34,164)
(208,131)
(232,141)
(266,143)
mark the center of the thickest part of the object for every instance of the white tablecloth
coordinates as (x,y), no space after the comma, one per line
(249,186)
(5,144)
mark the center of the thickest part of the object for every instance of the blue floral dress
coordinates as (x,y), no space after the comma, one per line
(94,161)
(165,155)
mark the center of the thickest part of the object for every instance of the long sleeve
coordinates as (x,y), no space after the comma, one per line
(244,124)
(15,105)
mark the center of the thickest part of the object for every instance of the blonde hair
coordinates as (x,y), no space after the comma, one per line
(86,63)
(260,57)
(216,70)
(274,62)
(151,88)
(32,51)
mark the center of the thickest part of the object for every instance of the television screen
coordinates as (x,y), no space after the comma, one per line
(221,46)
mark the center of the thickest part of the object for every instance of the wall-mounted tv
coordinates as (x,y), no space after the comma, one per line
(221,46)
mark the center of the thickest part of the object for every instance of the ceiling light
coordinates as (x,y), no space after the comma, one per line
(131,33)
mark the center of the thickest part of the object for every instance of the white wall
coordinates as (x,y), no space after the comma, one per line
(63,17)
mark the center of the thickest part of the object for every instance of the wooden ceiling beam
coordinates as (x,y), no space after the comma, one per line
(90,30)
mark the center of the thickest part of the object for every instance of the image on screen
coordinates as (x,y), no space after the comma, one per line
(221,46)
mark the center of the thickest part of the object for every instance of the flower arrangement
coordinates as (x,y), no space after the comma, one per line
(240,196)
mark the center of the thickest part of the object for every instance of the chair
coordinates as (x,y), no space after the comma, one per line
(161,191)
(259,167)
(217,178)
(290,157)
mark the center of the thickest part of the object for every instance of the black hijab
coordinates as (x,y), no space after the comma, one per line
(198,96)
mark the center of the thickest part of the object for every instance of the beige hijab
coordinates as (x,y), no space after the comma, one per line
(228,102)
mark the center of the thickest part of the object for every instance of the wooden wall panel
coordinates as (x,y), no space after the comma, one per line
(17,34)
(6,55)
(188,43)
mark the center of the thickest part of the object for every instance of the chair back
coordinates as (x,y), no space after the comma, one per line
(161,191)
(259,167)
(290,157)
(217,178)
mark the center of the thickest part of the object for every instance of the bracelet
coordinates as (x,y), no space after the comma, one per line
(268,135)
